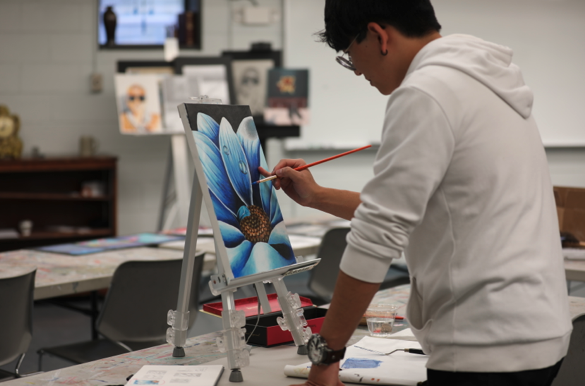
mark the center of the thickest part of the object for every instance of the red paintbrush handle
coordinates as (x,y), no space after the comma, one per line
(330,158)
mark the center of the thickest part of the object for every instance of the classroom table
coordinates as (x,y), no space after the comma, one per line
(575,270)
(60,274)
(202,349)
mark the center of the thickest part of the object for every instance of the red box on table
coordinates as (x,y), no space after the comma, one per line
(268,333)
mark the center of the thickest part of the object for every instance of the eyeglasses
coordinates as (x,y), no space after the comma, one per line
(347,63)
(141,98)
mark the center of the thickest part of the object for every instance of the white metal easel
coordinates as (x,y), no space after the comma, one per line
(233,333)
(178,167)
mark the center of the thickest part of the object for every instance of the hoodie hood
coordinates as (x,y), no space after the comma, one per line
(488,63)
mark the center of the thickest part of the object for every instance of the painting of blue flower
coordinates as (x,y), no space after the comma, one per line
(250,220)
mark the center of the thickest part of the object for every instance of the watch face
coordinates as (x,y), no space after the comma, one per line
(316,349)
(6,127)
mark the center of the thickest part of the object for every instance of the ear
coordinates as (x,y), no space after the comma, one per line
(381,33)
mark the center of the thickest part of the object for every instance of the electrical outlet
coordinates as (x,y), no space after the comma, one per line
(96,82)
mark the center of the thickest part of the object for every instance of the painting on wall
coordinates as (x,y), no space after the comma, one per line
(139,104)
(288,97)
(249,216)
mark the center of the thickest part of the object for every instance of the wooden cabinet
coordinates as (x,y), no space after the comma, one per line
(66,199)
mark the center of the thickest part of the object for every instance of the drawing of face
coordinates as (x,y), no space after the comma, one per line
(249,82)
(135,98)
(249,216)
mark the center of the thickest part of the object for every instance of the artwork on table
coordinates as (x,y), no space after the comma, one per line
(250,82)
(107,244)
(139,104)
(288,97)
(249,216)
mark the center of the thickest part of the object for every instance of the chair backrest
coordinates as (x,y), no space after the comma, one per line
(141,294)
(324,275)
(572,371)
(16,305)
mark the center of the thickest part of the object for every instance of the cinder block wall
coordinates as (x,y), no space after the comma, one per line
(48,50)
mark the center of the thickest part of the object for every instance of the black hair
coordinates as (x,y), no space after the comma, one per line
(348,19)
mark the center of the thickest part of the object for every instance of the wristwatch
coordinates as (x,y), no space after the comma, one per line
(320,354)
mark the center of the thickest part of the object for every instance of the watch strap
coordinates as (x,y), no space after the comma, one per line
(333,356)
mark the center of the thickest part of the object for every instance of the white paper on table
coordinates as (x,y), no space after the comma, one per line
(574,254)
(405,334)
(361,366)
(177,375)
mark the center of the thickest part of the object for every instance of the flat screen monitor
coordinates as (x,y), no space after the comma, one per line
(140,22)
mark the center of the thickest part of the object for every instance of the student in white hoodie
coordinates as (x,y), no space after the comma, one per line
(461,185)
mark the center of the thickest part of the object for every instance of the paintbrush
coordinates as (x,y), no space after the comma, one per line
(315,163)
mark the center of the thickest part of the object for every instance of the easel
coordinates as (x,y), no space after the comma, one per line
(177,165)
(233,339)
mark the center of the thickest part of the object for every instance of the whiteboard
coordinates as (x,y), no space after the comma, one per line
(547,36)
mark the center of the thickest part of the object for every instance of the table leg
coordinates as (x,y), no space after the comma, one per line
(94,314)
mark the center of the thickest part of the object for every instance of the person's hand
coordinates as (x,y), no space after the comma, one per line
(323,376)
(300,186)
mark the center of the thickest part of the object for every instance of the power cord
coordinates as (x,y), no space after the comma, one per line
(257,315)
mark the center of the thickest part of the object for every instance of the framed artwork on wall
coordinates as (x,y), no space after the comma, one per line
(139,104)
(250,74)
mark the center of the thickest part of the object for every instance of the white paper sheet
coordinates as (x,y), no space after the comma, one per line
(361,366)
(177,375)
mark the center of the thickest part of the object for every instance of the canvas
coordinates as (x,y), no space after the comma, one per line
(139,106)
(249,219)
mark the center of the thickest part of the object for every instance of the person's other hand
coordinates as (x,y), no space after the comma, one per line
(323,376)
(300,186)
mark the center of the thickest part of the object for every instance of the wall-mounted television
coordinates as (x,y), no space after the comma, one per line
(147,23)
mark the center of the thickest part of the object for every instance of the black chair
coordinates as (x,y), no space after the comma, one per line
(16,305)
(134,313)
(572,371)
(324,276)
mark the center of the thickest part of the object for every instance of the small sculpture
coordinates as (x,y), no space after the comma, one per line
(10,144)
(110,21)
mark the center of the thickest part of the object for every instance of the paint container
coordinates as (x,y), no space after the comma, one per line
(380,319)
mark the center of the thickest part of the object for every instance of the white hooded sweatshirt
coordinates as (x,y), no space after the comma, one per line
(462,186)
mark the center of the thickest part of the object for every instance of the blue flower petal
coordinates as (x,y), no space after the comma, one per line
(208,126)
(266,189)
(213,167)
(232,237)
(222,212)
(275,214)
(264,258)
(279,235)
(281,243)
(239,256)
(235,162)
(243,212)
(251,144)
